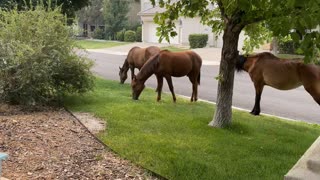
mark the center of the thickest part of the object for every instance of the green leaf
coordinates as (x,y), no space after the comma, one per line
(295,36)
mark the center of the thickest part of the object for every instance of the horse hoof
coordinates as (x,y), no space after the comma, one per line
(255,113)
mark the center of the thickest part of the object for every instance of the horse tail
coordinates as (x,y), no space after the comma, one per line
(197,62)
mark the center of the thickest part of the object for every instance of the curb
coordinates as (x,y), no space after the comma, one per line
(242,109)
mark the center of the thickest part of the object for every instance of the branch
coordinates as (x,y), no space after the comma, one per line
(222,10)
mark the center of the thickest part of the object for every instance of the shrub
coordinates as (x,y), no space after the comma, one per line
(37,58)
(198,40)
(288,46)
(139,34)
(129,36)
(120,35)
(98,33)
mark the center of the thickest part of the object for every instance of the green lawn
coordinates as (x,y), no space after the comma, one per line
(174,49)
(174,139)
(94,44)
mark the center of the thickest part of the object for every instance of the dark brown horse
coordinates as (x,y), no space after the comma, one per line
(283,74)
(136,58)
(167,64)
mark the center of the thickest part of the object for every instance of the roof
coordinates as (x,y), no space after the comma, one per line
(154,10)
(151,11)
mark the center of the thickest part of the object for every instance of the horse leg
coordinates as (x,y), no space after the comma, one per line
(256,109)
(169,81)
(132,72)
(159,78)
(194,95)
(195,91)
(314,92)
(159,86)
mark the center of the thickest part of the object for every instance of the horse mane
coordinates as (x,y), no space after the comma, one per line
(148,68)
(125,66)
(242,59)
(240,62)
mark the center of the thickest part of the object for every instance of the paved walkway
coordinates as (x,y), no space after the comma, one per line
(210,56)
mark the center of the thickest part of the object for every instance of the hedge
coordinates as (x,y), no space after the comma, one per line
(120,35)
(129,36)
(198,40)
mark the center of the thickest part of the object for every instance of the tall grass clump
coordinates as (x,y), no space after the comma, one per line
(38,62)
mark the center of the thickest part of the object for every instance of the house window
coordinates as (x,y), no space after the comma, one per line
(92,28)
(85,30)
(101,27)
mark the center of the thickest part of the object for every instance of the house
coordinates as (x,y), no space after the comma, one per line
(91,17)
(184,27)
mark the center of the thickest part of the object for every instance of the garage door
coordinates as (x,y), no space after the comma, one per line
(149,34)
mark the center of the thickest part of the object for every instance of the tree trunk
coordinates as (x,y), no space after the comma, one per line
(223,113)
(274,44)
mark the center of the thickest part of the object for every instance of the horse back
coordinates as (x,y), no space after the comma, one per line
(179,64)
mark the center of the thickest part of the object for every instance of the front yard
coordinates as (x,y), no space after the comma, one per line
(174,140)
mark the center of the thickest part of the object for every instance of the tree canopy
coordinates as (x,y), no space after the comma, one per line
(115,16)
(293,18)
(92,14)
(68,7)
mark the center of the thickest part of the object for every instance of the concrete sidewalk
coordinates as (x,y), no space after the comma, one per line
(210,56)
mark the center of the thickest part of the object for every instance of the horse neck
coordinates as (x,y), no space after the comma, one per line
(125,65)
(148,69)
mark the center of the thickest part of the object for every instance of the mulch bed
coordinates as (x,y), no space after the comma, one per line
(51,144)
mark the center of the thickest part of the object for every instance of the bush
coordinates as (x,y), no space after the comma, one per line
(129,36)
(120,35)
(288,47)
(37,58)
(98,33)
(198,40)
(139,34)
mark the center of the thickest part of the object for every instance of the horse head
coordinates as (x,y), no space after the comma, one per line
(137,87)
(123,75)
(240,62)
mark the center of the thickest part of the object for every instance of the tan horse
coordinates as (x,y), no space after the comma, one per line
(283,74)
(136,58)
(166,64)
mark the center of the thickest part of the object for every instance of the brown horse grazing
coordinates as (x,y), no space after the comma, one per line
(136,58)
(167,64)
(282,74)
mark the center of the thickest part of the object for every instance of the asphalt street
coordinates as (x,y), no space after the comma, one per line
(293,104)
